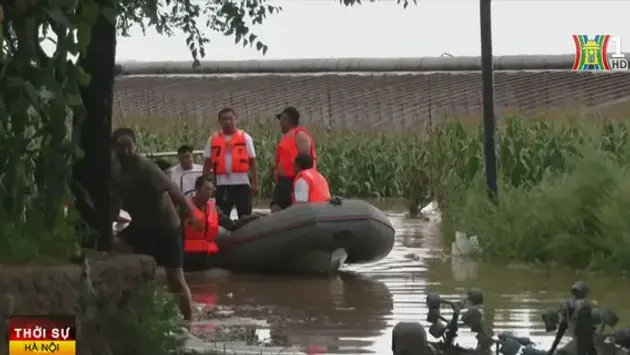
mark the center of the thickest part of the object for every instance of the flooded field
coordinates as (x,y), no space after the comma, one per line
(354,312)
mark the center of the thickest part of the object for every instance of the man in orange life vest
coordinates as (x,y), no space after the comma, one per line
(201,239)
(295,140)
(231,158)
(309,186)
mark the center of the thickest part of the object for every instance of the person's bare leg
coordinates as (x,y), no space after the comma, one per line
(178,286)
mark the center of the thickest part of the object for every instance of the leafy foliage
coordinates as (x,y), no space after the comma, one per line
(228,17)
(563,192)
(39,98)
(148,323)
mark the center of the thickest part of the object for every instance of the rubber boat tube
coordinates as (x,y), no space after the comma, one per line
(316,237)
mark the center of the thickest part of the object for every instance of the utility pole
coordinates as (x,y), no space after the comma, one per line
(489,122)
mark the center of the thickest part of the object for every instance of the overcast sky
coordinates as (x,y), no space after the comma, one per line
(325,29)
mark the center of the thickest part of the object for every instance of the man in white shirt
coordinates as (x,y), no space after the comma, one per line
(231,158)
(309,184)
(186,172)
(301,191)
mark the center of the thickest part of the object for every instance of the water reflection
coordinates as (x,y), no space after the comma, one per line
(339,312)
(355,311)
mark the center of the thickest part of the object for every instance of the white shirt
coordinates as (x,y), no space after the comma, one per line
(301,190)
(185,179)
(232,178)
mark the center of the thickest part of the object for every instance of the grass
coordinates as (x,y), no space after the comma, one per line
(32,241)
(563,186)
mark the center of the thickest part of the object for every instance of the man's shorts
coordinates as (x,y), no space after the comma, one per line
(165,246)
(283,192)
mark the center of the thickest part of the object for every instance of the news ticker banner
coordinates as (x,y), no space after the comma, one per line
(42,335)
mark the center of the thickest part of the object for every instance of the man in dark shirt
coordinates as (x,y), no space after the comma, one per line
(150,198)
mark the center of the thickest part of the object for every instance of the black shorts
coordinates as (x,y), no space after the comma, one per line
(230,196)
(165,246)
(283,193)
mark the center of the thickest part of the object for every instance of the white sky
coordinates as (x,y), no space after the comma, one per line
(325,29)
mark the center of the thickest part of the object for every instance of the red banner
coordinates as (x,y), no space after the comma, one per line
(42,335)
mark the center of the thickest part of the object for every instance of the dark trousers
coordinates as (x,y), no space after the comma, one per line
(283,192)
(164,245)
(230,196)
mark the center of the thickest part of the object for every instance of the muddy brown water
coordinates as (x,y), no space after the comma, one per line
(354,312)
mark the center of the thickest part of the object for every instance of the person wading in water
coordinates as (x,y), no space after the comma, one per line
(150,198)
(295,140)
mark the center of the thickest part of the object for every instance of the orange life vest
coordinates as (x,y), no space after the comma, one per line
(318,190)
(287,151)
(237,146)
(202,239)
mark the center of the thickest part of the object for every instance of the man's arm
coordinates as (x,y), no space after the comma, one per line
(253,167)
(225,221)
(303,143)
(301,191)
(161,182)
(207,162)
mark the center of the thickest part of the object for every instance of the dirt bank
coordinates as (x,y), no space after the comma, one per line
(43,290)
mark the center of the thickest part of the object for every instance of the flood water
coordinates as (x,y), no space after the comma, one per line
(354,312)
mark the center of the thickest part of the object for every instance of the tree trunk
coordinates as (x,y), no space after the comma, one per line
(92,172)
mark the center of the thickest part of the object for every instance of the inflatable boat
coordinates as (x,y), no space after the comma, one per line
(307,238)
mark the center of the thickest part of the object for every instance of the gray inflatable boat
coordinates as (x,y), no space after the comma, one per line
(304,238)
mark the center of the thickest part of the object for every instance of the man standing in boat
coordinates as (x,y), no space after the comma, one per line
(230,157)
(185,173)
(295,140)
(309,186)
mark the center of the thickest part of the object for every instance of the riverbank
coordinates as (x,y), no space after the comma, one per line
(562,182)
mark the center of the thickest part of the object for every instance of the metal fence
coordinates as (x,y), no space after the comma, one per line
(388,94)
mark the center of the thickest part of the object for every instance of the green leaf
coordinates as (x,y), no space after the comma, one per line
(32,94)
(58,16)
(84,77)
(74,100)
(84,35)
(110,14)
(85,196)
(53,86)
(90,12)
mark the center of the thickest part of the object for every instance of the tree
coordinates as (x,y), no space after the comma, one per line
(39,93)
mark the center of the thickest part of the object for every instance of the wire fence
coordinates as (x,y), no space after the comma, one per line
(380,100)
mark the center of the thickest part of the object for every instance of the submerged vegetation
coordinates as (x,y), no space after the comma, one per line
(563,194)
